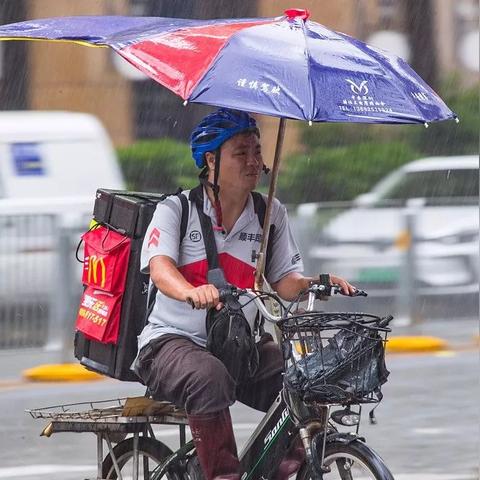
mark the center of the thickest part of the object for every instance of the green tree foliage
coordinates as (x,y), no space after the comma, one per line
(339,173)
(449,138)
(158,165)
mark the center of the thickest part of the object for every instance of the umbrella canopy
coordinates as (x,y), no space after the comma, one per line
(289,67)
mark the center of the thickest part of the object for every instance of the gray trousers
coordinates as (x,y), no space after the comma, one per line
(178,370)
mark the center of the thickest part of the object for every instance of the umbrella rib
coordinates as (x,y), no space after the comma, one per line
(310,85)
(206,70)
(83,43)
(390,70)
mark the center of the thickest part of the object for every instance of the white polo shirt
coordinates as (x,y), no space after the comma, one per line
(236,255)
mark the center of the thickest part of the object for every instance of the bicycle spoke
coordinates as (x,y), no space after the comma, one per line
(146,471)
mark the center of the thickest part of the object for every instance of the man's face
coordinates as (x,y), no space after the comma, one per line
(241,163)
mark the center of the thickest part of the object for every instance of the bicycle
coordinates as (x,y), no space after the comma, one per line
(310,340)
(331,360)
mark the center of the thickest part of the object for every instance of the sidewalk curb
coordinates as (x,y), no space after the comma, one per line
(60,372)
(412,344)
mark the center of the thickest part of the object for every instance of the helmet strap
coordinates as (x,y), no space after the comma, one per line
(215,189)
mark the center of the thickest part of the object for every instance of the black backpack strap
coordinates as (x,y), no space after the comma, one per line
(196,197)
(152,292)
(260,206)
(184,219)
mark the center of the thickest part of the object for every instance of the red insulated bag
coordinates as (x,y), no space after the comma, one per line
(104,275)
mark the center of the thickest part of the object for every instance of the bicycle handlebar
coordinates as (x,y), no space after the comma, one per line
(314,291)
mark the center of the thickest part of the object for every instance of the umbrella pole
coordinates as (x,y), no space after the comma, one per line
(271,193)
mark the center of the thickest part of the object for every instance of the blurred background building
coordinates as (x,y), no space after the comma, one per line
(437,38)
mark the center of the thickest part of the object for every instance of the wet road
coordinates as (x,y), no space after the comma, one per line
(427,424)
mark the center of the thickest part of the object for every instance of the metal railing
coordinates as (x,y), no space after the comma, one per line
(39,279)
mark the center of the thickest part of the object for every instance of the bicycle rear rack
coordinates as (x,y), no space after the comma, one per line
(112,420)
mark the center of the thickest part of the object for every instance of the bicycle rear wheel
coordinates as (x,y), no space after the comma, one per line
(151,453)
(350,461)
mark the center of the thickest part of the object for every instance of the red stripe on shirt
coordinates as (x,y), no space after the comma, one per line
(236,272)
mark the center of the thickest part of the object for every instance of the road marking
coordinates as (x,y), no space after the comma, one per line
(445,353)
(11,384)
(434,476)
(429,476)
(38,470)
(428,431)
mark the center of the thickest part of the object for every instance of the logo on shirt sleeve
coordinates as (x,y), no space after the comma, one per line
(154,238)
(296,258)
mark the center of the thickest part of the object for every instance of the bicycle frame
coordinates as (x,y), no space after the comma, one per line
(268,444)
(274,435)
(263,452)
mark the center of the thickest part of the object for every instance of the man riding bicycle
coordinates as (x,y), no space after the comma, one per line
(173,361)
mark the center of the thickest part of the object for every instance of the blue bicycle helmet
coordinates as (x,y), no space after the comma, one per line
(216,128)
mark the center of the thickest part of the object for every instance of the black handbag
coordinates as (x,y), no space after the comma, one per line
(229,336)
(230,339)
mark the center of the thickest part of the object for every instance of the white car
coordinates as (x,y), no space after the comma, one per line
(51,164)
(367,243)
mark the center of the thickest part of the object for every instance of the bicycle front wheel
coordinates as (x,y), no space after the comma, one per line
(350,461)
(151,453)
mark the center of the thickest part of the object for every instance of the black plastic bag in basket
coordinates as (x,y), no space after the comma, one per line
(350,367)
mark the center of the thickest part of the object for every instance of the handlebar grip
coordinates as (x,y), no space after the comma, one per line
(385,321)
(223,293)
(229,291)
(337,289)
(360,293)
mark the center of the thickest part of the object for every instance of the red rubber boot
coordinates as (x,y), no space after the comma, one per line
(214,441)
(292,461)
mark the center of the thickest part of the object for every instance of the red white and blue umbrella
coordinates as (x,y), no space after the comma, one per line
(288,67)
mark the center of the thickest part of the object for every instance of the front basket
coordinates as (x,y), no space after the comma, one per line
(335,358)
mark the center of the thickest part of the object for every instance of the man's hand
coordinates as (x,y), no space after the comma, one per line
(204,296)
(347,289)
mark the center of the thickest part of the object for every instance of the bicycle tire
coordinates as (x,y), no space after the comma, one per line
(357,451)
(150,448)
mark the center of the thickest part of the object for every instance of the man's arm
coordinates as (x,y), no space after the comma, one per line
(167,278)
(292,284)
